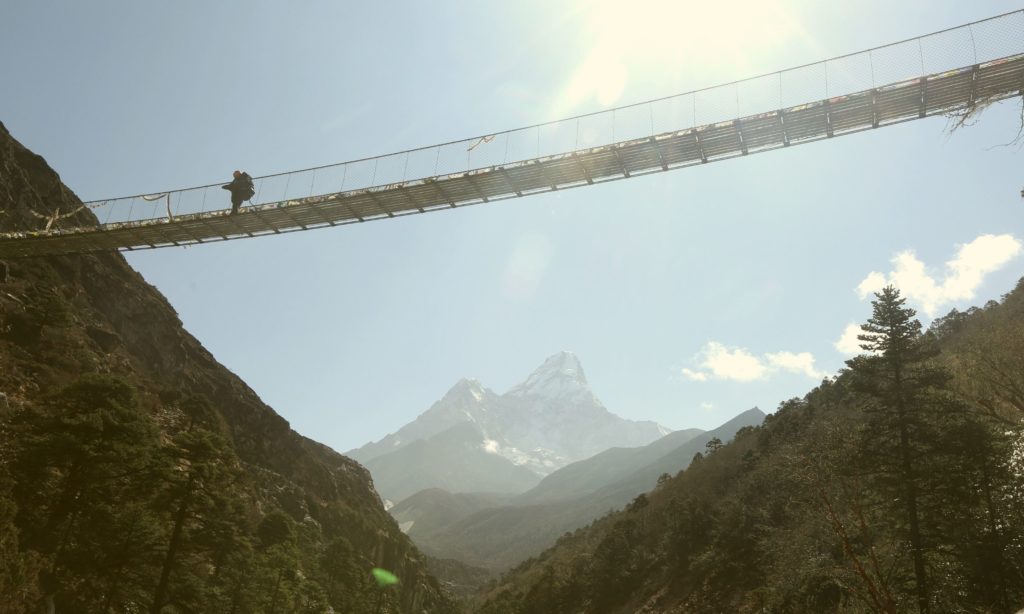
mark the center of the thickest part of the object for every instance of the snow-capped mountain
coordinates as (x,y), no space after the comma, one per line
(466,401)
(549,420)
(560,377)
(554,410)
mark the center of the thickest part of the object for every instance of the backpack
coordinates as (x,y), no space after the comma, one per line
(248,189)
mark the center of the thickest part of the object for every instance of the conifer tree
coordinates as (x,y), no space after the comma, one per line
(897,377)
(199,490)
(346,581)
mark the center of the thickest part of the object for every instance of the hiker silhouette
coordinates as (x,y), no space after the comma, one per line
(241,189)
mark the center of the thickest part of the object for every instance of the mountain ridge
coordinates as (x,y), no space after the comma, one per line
(548,420)
(497,537)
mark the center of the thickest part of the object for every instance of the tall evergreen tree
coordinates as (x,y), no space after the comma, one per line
(897,377)
(199,490)
(346,580)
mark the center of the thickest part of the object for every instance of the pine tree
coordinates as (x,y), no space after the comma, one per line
(897,376)
(277,564)
(347,583)
(199,491)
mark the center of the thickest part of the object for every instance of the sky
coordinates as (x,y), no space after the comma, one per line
(688,296)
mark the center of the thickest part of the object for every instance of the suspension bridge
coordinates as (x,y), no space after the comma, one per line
(948,73)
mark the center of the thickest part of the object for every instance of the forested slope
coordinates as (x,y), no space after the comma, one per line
(895,487)
(138,474)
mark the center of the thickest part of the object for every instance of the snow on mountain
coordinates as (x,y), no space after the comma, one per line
(555,410)
(466,401)
(549,420)
(560,377)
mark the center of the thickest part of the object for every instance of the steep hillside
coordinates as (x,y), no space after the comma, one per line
(62,318)
(895,487)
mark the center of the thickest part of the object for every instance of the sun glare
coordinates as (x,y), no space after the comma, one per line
(666,40)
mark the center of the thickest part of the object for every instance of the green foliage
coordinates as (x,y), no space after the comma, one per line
(43,307)
(713,445)
(118,493)
(276,528)
(100,512)
(18,581)
(811,511)
(200,491)
(347,582)
(82,462)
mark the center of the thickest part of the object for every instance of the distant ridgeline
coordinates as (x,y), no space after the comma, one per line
(895,487)
(497,532)
(489,480)
(138,474)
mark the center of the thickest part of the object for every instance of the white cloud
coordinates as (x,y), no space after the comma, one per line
(977,259)
(962,277)
(736,364)
(717,361)
(707,407)
(794,363)
(848,342)
(874,282)
(696,376)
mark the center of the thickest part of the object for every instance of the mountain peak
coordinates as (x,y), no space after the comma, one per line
(467,385)
(561,374)
(463,399)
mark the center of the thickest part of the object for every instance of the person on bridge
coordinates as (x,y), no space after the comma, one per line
(241,189)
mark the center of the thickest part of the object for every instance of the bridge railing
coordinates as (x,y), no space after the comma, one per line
(966,45)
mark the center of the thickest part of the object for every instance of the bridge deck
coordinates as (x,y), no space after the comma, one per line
(935,94)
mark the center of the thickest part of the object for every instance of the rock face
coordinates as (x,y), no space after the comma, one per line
(61,317)
(549,420)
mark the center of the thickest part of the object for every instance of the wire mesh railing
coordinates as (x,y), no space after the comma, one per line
(967,45)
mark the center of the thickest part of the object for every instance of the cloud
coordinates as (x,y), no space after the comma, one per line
(874,282)
(717,361)
(978,258)
(696,376)
(735,364)
(794,363)
(848,342)
(707,407)
(962,277)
